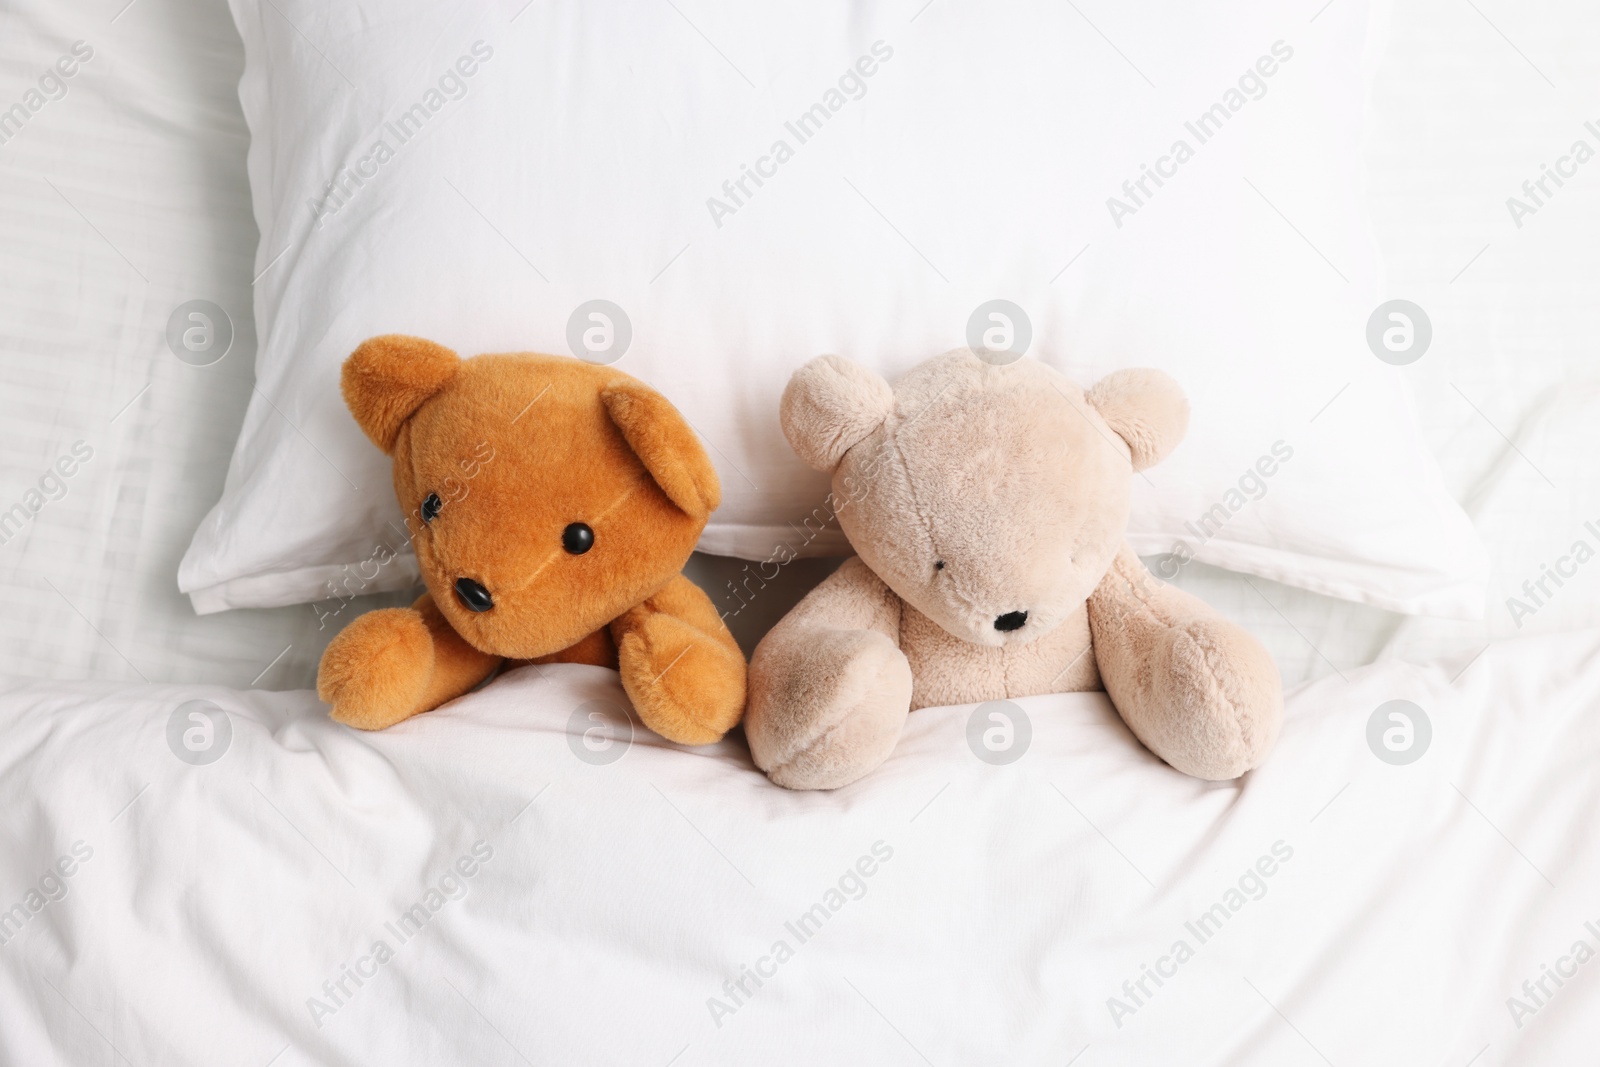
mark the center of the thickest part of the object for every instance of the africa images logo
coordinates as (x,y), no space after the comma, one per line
(1251,85)
(851,885)
(851,85)
(452,85)
(1251,885)
(342,986)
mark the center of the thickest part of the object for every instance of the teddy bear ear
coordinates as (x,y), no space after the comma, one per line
(829,407)
(665,444)
(1146,408)
(386,379)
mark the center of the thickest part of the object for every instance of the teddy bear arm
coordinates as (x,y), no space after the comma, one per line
(457,665)
(596,650)
(829,686)
(1197,690)
(680,665)
(391,664)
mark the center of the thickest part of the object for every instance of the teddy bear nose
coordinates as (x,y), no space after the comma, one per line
(475,597)
(1011,620)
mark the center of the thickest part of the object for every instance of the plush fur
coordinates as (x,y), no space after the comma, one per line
(516,448)
(971,492)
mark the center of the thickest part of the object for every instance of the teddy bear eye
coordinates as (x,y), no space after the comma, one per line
(577,538)
(938,564)
(430,507)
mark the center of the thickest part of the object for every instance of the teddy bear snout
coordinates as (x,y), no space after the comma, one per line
(474,597)
(1011,620)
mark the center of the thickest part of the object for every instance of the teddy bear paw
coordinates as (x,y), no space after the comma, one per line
(828,708)
(1226,700)
(375,672)
(686,685)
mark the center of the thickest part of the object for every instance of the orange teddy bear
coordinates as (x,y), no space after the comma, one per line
(566,545)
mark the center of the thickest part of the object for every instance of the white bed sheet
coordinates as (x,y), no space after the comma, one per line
(1002,909)
(1470,101)
(216,899)
(120,201)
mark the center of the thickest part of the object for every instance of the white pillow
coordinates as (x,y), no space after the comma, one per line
(757,184)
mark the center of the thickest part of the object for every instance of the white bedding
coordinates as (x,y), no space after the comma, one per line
(118,202)
(149,146)
(996,913)
(211,908)
(563,111)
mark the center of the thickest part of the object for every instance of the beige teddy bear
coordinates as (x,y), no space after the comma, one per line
(987,505)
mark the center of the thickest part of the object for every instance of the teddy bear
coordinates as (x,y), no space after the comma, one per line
(551,504)
(987,502)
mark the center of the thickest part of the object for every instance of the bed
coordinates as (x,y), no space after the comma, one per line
(617,911)
(463,889)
